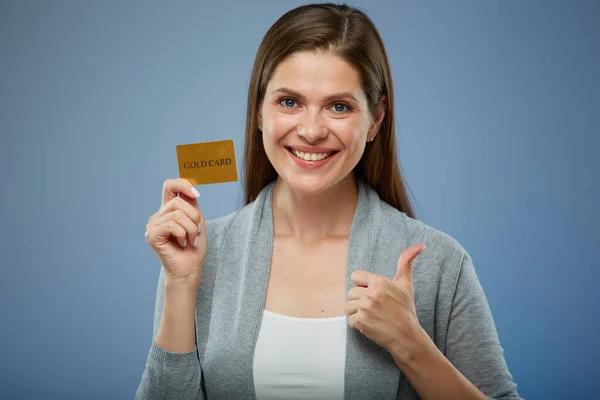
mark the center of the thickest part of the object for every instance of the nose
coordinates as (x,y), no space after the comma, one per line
(312,127)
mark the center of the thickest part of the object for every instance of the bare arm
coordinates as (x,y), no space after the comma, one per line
(434,377)
(176,330)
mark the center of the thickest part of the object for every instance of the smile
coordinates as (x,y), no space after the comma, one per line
(310,156)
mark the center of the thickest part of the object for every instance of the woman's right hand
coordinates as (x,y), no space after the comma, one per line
(177,234)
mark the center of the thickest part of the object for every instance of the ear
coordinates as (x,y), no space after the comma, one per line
(259,121)
(377,118)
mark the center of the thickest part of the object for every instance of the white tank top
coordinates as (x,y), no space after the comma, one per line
(300,358)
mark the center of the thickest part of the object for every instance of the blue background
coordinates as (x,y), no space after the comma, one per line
(498,106)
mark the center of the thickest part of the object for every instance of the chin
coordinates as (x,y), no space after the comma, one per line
(312,185)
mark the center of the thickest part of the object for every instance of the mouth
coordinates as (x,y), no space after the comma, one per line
(310,157)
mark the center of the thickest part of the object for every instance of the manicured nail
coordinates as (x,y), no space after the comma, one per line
(200,228)
(196,241)
(196,193)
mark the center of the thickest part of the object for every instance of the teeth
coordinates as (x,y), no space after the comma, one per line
(310,156)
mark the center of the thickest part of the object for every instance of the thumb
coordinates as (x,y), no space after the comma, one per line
(405,262)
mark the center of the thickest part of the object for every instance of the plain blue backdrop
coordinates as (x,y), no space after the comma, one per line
(498,106)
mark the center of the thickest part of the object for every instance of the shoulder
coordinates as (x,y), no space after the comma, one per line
(218,233)
(437,270)
(218,228)
(234,228)
(442,249)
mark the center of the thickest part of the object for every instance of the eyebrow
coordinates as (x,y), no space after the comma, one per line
(298,95)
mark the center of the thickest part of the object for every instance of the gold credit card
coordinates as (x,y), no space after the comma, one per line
(210,162)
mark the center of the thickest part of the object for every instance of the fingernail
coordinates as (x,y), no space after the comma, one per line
(196,193)
(196,241)
(199,228)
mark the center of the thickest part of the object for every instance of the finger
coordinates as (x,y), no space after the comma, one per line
(352,307)
(405,262)
(356,293)
(201,225)
(362,278)
(178,203)
(192,212)
(173,187)
(192,201)
(201,231)
(162,233)
(184,221)
(352,319)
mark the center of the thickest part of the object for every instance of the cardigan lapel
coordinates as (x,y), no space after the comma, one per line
(242,279)
(370,370)
(260,245)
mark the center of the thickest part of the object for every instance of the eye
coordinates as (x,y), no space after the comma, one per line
(287,102)
(340,108)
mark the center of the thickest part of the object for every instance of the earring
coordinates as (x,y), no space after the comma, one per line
(371,138)
(260,128)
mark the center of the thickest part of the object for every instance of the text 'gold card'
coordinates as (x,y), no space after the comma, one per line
(210,162)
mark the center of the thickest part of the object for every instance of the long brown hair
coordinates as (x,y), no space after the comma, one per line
(351,35)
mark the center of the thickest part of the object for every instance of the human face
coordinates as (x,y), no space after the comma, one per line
(315,121)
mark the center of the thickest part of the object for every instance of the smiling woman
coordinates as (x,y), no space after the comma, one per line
(315,121)
(339,47)
(320,287)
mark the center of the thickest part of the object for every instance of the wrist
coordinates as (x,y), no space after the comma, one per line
(189,283)
(180,299)
(408,353)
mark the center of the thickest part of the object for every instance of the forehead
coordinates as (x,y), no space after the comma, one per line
(314,73)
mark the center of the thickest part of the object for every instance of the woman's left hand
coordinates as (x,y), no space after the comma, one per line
(384,310)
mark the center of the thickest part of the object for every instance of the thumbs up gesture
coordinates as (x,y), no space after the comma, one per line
(384,310)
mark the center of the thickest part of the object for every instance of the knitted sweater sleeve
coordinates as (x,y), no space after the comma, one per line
(472,343)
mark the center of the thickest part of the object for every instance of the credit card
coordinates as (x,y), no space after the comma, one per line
(209,162)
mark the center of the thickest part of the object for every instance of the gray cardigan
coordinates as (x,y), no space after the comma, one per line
(451,307)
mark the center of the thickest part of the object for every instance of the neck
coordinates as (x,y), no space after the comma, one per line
(314,216)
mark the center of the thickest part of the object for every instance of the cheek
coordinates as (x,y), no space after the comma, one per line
(275,128)
(352,133)
(358,150)
(269,131)
(276,124)
(281,124)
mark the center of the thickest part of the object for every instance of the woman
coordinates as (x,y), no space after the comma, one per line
(314,290)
